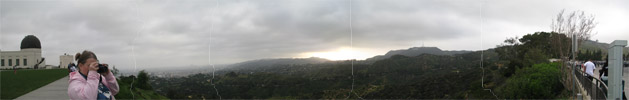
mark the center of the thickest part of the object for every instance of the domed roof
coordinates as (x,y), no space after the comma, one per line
(30,41)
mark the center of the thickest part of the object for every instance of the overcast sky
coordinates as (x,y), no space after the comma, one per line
(196,33)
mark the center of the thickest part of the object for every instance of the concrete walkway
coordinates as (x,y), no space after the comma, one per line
(57,90)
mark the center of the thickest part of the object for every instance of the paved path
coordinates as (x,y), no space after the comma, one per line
(57,90)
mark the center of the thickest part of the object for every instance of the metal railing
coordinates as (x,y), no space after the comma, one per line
(594,87)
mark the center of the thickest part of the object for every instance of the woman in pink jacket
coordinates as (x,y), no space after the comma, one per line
(87,83)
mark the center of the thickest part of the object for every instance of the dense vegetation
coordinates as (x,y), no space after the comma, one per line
(538,82)
(596,55)
(423,76)
(517,69)
(136,89)
(26,80)
(524,69)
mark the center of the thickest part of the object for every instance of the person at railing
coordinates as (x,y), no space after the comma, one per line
(589,69)
(603,72)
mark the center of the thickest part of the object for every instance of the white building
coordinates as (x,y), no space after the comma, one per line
(64,60)
(29,55)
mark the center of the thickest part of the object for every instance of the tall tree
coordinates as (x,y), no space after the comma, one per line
(143,80)
(599,55)
(528,50)
(574,25)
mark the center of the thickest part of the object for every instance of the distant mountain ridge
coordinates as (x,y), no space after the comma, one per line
(399,77)
(410,52)
(596,45)
(415,51)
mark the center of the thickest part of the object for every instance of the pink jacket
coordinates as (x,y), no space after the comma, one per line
(88,89)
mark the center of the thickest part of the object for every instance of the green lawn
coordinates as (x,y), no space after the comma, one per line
(26,80)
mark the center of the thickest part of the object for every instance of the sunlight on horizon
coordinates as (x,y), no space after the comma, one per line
(343,53)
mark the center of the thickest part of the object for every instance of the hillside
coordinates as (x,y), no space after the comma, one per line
(397,77)
(132,87)
(595,45)
(415,51)
(512,71)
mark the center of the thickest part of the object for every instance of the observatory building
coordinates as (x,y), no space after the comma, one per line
(29,55)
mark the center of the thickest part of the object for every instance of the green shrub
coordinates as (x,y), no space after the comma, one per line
(541,81)
(139,90)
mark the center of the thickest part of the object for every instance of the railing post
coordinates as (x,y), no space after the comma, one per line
(615,69)
(593,90)
(574,62)
(574,50)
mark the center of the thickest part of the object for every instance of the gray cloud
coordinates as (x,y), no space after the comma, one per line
(180,33)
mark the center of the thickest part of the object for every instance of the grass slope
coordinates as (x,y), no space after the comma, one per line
(24,81)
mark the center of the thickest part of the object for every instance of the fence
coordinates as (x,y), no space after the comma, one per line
(594,87)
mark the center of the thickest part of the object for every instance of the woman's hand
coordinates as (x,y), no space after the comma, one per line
(93,66)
